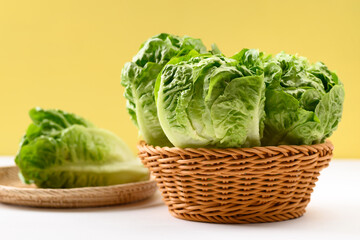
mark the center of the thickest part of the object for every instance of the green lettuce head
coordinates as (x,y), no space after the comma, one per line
(179,94)
(209,101)
(62,150)
(303,101)
(139,77)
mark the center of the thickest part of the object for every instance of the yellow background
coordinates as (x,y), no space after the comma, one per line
(69,54)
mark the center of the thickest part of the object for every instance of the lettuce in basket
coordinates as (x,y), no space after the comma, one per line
(251,99)
(62,150)
(304,101)
(139,76)
(180,95)
(210,101)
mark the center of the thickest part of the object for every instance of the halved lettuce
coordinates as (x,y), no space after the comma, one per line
(62,150)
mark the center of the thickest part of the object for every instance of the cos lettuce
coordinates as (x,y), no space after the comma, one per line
(207,101)
(139,76)
(251,99)
(62,150)
(303,101)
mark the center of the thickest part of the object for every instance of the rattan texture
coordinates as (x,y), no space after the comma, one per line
(13,191)
(236,185)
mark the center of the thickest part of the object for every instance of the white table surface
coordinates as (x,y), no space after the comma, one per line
(333,213)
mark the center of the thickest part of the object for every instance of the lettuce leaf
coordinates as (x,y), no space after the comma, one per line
(139,77)
(206,101)
(304,101)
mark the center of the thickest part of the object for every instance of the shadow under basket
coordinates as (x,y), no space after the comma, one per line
(236,185)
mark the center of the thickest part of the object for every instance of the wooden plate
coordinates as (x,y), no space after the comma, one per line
(13,191)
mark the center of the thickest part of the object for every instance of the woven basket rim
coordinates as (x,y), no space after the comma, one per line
(327,143)
(263,152)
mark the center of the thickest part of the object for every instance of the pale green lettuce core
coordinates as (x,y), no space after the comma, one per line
(62,150)
(139,77)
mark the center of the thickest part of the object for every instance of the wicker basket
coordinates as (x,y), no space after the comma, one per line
(236,185)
